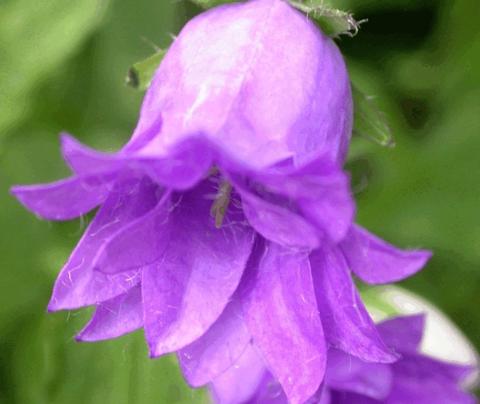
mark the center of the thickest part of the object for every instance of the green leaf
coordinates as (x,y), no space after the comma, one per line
(211,3)
(369,120)
(49,367)
(334,22)
(141,73)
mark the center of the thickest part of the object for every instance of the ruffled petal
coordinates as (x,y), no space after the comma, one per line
(374,261)
(84,160)
(345,320)
(113,318)
(64,199)
(183,166)
(217,350)
(404,334)
(348,373)
(282,316)
(79,284)
(187,289)
(241,383)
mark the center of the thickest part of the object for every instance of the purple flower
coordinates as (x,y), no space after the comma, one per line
(227,218)
(415,378)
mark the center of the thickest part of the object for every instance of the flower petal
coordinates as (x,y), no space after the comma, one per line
(276,222)
(181,168)
(321,191)
(282,316)
(84,160)
(404,334)
(345,320)
(425,367)
(78,284)
(348,373)
(424,380)
(64,199)
(217,350)
(186,291)
(139,243)
(374,261)
(113,318)
(241,382)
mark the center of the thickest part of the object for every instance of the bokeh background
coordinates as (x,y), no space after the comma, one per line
(63,66)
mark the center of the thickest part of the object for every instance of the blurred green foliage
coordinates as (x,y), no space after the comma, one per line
(62,67)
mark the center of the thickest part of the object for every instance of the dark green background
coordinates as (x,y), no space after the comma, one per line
(62,67)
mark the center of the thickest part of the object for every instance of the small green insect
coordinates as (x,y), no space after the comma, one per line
(221,203)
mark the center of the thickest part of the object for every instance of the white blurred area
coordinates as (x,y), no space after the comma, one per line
(442,339)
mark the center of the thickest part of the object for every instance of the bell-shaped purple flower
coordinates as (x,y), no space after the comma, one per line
(227,218)
(414,378)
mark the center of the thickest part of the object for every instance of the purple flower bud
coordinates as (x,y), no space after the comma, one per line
(257,80)
(227,220)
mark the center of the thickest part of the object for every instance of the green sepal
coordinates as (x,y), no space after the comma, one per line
(140,75)
(334,22)
(369,121)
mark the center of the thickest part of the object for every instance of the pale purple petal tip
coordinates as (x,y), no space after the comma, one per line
(217,350)
(64,199)
(375,261)
(240,383)
(84,160)
(115,317)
